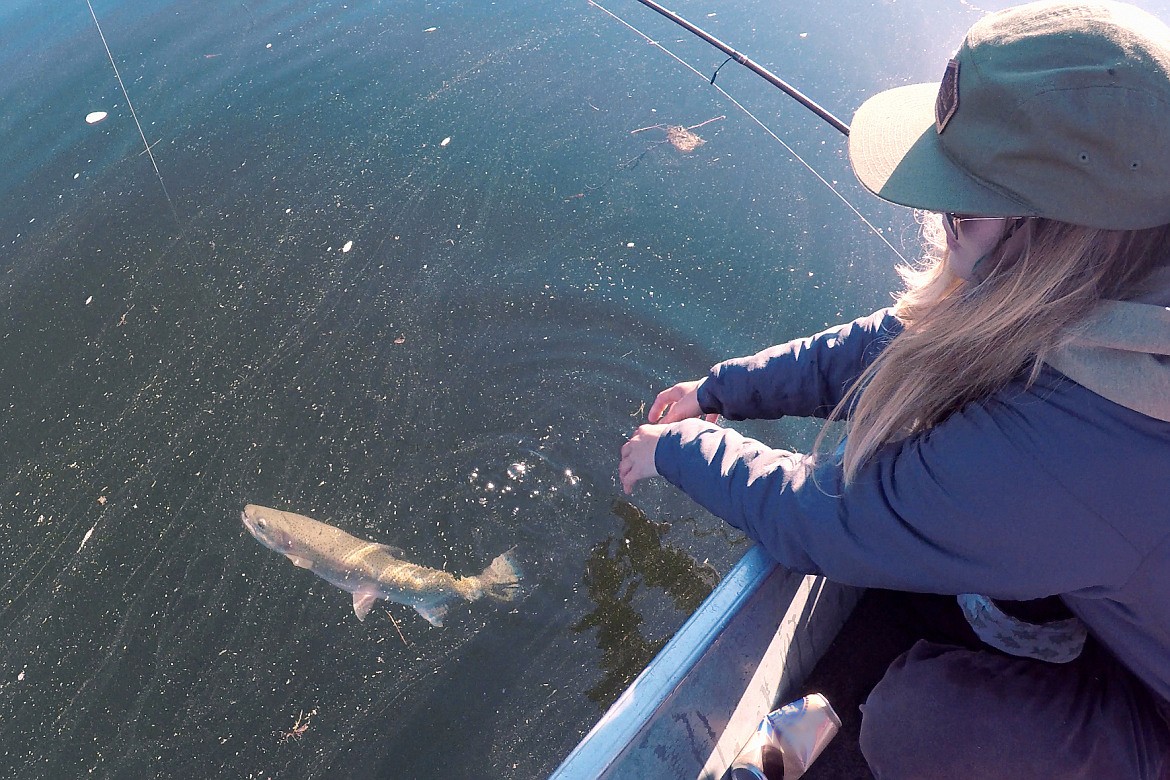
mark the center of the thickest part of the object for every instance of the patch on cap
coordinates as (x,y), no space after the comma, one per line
(947,102)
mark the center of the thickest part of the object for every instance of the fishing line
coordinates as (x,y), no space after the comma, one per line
(754,67)
(757,120)
(133,113)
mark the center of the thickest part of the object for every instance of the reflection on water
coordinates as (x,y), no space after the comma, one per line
(433,343)
(617,574)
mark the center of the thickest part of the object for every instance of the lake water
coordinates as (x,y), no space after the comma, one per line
(412,273)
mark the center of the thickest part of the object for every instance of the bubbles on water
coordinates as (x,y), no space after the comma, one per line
(515,481)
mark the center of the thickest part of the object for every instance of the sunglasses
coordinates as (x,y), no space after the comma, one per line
(952,219)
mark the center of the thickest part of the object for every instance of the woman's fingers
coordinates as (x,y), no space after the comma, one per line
(662,403)
(638,456)
(676,403)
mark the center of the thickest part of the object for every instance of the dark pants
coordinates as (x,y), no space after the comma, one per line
(954,710)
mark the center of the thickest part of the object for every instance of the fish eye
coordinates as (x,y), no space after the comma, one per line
(261,524)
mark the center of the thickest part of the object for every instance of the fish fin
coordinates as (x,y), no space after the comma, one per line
(362,602)
(434,615)
(501,579)
(297,560)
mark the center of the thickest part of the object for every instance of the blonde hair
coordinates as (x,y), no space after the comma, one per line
(962,341)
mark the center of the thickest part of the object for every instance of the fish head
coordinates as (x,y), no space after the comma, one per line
(271,527)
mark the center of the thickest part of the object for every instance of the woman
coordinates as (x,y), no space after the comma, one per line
(1008,420)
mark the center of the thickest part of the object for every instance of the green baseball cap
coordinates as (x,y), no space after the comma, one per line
(1050,109)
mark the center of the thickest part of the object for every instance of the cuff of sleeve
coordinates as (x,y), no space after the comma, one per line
(668,452)
(706,396)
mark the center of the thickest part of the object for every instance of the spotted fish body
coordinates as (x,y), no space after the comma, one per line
(372,571)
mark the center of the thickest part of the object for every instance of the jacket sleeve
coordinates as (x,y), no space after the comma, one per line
(967,507)
(804,377)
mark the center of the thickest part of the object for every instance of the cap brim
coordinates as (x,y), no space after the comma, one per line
(897,155)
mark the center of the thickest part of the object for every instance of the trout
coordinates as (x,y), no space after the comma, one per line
(372,571)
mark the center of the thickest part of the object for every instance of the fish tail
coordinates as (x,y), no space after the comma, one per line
(500,581)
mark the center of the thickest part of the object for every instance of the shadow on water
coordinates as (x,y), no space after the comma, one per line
(617,574)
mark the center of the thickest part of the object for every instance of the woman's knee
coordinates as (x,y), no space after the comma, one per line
(945,712)
(901,728)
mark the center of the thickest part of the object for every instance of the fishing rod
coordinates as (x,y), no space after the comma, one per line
(836,123)
(754,67)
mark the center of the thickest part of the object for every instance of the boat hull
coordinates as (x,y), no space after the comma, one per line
(745,650)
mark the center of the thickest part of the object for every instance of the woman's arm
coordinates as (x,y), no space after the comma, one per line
(804,377)
(993,500)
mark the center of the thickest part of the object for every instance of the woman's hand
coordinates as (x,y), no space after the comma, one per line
(638,456)
(680,402)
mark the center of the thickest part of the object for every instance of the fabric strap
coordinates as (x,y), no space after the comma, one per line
(1058,642)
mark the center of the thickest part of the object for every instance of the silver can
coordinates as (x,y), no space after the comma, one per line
(787,741)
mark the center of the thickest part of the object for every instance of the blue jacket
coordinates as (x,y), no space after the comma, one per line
(1040,490)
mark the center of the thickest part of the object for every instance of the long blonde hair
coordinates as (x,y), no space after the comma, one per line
(961,341)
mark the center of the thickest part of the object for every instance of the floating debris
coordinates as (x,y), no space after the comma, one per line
(93,117)
(445,141)
(430,29)
(681,138)
(85,538)
(348,246)
(299,727)
(400,634)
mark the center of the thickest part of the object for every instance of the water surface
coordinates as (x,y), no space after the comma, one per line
(435,344)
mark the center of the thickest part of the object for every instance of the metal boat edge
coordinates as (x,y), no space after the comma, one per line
(748,646)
